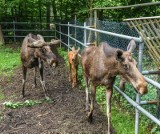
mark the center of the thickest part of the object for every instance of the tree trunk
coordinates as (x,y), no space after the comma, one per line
(48,14)
(61,10)
(1,36)
(40,14)
(91,36)
(54,10)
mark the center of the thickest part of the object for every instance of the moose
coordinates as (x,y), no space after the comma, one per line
(34,52)
(73,65)
(101,64)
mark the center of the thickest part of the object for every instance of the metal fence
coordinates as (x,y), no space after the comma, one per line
(16,31)
(79,35)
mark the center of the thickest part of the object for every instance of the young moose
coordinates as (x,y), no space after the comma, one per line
(34,52)
(73,66)
(101,65)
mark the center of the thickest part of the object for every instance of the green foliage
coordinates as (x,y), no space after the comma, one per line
(12,105)
(1,94)
(27,103)
(155,130)
(34,8)
(10,59)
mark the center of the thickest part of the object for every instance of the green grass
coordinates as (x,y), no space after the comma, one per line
(9,60)
(1,94)
(123,123)
(27,103)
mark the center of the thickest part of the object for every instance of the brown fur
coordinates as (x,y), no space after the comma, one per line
(73,66)
(34,52)
(102,64)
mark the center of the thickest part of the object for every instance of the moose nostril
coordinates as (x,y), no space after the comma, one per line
(54,65)
(125,66)
(143,90)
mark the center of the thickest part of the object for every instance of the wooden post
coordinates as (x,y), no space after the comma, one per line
(90,36)
(95,26)
(1,36)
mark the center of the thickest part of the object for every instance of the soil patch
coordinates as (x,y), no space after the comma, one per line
(66,115)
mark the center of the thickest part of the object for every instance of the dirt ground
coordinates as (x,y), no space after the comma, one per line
(66,115)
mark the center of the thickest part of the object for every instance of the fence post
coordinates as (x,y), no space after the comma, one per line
(55,31)
(75,22)
(68,37)
(138,97)
(14,31)
(85,34)
(60,33)
(95,25)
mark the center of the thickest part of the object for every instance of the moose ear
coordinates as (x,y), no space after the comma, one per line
(131,46)
(36,44)
(40,37)
(78,49)
(54,42)
(119,55)
(30,40)
(73,48)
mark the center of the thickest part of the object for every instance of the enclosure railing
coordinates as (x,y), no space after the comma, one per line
(16,31)
(138,101)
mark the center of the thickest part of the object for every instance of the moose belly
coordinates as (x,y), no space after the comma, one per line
(105,80)
(33,62)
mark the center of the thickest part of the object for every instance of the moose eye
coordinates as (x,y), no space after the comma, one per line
(130,59)
(43,50)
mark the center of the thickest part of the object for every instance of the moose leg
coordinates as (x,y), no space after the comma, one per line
(24,69)
(122,84)
(42,78)
(35,71)
(74,81)
(122,87)
(70,75)
(108,103)
(87,96)
(93,92)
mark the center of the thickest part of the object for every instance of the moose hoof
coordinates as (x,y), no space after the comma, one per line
(90,119)
(46,95)
(109,132)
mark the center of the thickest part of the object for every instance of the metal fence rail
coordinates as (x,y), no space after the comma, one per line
(16,31)
(67,37)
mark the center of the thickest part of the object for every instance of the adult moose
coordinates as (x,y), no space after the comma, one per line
(34,52)
(101,65)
